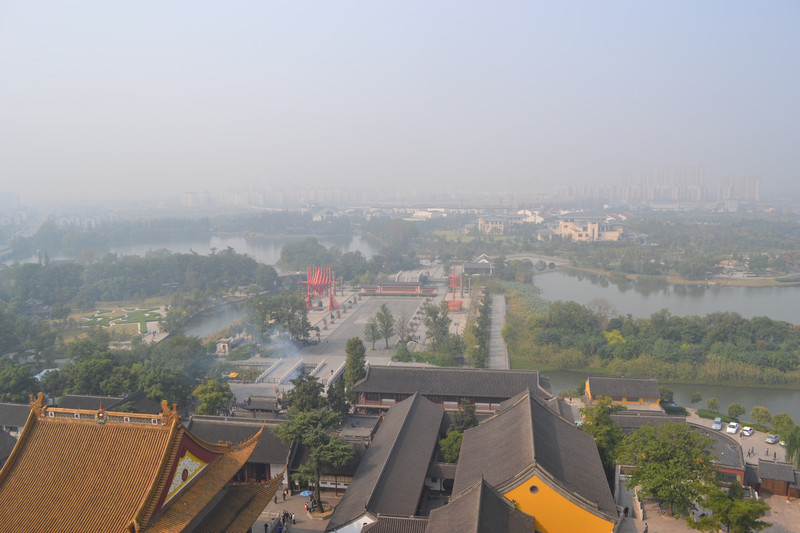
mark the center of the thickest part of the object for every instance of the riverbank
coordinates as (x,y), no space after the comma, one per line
(677,280)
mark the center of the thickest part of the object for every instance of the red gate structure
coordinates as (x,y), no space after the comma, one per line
(454,305)
(320,283)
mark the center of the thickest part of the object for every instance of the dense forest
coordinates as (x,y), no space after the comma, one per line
(719,347)
(168,370)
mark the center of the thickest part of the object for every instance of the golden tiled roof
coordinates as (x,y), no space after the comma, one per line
(69,472)
(190,502)
(82,470)
(240,507)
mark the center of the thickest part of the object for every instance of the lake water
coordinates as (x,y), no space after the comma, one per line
(775,400)
(641,301)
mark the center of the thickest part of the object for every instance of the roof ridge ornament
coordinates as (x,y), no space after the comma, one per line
(100,415)
(169,416)
(37,405)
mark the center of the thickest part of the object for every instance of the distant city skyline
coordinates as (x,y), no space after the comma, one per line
(138,102)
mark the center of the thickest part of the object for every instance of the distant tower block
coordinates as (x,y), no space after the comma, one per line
(320,283)
(454,305)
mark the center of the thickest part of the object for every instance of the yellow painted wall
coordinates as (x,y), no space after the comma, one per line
(553,512)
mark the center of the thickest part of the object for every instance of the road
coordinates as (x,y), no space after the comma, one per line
(498,352)
(351,324)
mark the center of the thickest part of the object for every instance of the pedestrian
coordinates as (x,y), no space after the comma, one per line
(293,522)
(266,527)
(766,452)
(625,512)
(276,499)
(774,456)
(646,529)
(284,495)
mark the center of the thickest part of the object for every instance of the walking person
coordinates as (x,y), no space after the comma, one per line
(646,529)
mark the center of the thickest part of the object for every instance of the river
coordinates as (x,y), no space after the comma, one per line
(642,300)
(775,400)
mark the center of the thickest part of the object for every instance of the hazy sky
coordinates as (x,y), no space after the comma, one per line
(145,98)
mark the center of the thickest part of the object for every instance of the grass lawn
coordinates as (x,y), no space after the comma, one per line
(122,316)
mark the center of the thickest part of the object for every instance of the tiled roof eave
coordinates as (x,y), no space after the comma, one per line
(160,481)
(576,498)
(190,501)
(21,440)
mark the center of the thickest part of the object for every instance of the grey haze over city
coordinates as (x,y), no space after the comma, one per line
(137,101)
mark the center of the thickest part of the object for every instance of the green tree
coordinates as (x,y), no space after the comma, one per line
(451,446)
(598,423)
(306,393)
(309,428)
(695,397)
(213,396)
(465,417)
(730,512)
(437,323)
(735,410)
(760,415)
(667,395)
(793,446)
(16,381)
(286,312)
(783,424)
(672,462)
(712,404)
(372,331)
(354,366)
(337,398)
(385,323)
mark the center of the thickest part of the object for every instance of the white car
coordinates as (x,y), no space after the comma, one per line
(716,425)
(733,428)
(747,431)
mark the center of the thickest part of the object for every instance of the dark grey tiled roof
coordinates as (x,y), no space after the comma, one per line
(269,450)
(7,443)
(138,402)
(359,426)
(391,475)
(562,408)
(442,470)
(461,382)
(527,436)
(78,401)
(776,470)
(479,509)
(751,474)
(627,387)
(14,414)
(261,403)
(396,524)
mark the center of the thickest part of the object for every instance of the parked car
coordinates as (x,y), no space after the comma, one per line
(717,424)
(772,439)
(747,431)
(733,427)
